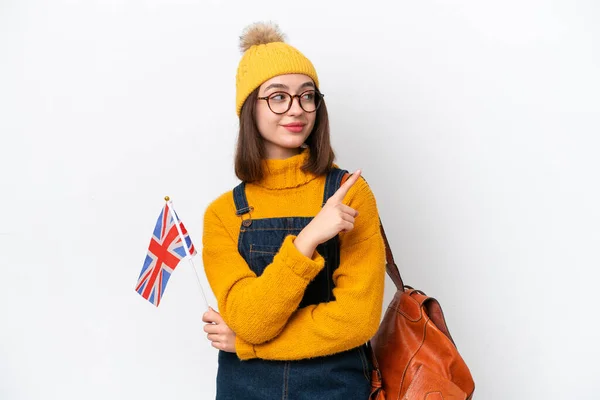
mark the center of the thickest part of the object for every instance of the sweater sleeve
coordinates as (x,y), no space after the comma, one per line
(354,316)
(255,308)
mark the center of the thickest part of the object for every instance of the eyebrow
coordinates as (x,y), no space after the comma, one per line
(282,86)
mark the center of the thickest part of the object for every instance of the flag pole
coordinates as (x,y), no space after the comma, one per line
(187,251)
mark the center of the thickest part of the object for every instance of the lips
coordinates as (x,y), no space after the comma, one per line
(295,127)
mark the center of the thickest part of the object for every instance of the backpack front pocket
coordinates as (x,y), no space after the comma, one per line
(427,385)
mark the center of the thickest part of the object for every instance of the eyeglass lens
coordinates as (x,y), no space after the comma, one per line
(280,102)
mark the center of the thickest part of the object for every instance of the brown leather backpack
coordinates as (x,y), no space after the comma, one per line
(414,355)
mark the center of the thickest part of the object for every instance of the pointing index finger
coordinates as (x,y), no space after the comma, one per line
(339,195)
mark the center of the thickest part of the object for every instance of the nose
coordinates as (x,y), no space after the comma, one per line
(295,109)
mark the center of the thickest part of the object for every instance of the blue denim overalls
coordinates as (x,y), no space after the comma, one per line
(342,376)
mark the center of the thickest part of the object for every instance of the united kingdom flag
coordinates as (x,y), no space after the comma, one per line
(164,253)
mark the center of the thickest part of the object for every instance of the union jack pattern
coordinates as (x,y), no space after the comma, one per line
(164,254)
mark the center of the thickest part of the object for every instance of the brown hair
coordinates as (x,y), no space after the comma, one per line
(250,148)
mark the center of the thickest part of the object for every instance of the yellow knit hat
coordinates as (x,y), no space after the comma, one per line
(265,55)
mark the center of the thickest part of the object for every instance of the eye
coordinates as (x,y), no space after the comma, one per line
(308,95)
(278,97)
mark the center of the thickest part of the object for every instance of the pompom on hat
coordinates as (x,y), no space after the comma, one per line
(266,55)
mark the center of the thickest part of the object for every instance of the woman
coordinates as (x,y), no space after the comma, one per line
(295,259)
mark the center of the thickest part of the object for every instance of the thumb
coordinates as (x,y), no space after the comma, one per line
(209,316)
(216,317)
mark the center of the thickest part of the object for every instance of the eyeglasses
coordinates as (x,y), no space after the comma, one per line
(281,102)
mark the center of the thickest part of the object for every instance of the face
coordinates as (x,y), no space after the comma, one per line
(283,134)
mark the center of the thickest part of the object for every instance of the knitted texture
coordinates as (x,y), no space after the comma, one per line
(264,61)
(262,311)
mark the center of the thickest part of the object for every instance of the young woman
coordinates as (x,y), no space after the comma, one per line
(294,257)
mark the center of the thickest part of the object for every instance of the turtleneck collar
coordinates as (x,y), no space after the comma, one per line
(286,173)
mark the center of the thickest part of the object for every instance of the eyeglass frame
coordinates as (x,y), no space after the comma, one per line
(317,93)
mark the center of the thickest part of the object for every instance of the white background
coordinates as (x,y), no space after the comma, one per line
(476,124)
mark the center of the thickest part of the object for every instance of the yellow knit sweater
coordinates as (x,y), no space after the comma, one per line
(261,310)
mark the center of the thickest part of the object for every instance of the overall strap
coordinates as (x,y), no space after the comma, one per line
(332,183)
(239,197)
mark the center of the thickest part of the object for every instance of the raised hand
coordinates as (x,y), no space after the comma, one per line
(334,217)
